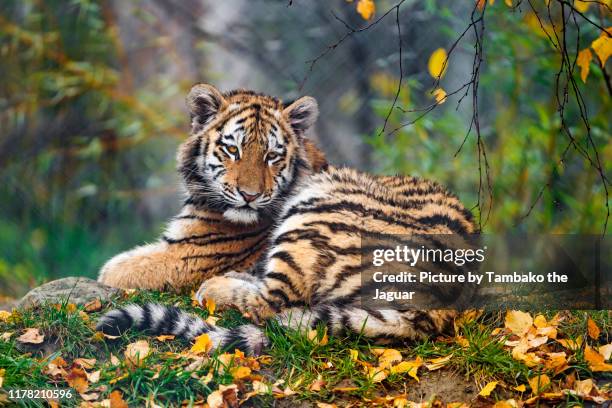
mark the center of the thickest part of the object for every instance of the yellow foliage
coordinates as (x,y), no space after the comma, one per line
(518,322)
(602,47)
(409,367)
(596,360)
(366,8)
(592,329)
(539,383)
(440,95)
(437,63)
(202,344)
(581,6)
(137,352)
(488,389)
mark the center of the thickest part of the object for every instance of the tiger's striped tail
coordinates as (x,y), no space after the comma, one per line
(156,319)
(382,326)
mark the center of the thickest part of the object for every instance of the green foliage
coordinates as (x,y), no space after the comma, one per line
(520,127)
(82,148)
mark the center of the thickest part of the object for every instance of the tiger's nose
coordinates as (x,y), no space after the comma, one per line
(248,197)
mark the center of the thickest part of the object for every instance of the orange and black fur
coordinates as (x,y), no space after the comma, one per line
(244,155)
(310,273)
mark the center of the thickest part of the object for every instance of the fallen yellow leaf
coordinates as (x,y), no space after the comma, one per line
(376,374)
(313,335)
(520,388)
(240,372)
(409,367)
(354,354)
(437,363)
(518,322)
(387,357)
(116,400)
(210,306)
(4,315)
(215,399)
(606,351)
(457,405)
(366,8)
(77,379)
(137,352)
(584,387)
(93,306)
(202,344)
(556,362)
(595,360)
(592,329)
(2,372)
(6,336)
(511,403)
(570,344)
(437,64)
(86,363)
(165,337)
(487,389)
(539,383)
(317,384)
(31,336)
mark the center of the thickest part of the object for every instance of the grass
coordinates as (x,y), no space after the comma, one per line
(295,361)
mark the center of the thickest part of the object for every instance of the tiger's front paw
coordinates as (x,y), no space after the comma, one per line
(227,291)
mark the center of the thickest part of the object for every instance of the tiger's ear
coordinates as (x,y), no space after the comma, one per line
(204,102)
(302,114)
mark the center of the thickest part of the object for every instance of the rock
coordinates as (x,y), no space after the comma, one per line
(75,290)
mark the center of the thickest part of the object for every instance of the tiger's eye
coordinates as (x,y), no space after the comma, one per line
(272,156)
(232,149)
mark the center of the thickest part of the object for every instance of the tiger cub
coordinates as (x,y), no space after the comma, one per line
(245,153)
(313,260)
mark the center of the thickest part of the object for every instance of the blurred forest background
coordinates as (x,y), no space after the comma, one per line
(92,91)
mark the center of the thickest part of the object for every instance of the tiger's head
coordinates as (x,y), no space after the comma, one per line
(246,151)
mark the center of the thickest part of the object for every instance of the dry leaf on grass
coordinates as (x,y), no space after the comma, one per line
(86,363)
(202,344)
(165,337)
(4,315)
(317,384)
(313,335)
(137,352)
(488,389)
(93,306)
(31,336)
(387,357)
(539,384)
(409,367)
(595,360)
(570,344)
(437,363)
(6,336)
(518,322)
(240,372)
(55,368)
(592,329)
(114,360)
(605,351)
(92,396)
(77,379)
(116,400)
